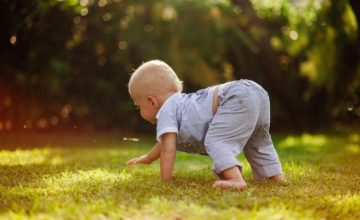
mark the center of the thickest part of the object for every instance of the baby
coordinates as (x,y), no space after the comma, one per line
(220,121)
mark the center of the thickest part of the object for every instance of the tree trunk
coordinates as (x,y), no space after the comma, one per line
(355,5)
(348,55)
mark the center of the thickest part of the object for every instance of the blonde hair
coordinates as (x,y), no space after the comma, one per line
(155,77)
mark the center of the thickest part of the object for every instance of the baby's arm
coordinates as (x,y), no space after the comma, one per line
(167,155)
(148,158)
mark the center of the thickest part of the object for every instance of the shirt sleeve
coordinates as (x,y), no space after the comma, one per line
(166,122)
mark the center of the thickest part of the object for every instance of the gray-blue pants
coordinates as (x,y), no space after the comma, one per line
(242,123)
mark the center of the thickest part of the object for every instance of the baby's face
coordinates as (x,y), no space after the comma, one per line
(147,110)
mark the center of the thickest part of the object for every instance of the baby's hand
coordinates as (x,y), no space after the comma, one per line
(142,159)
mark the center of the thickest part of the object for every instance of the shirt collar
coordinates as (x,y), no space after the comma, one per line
(166,101)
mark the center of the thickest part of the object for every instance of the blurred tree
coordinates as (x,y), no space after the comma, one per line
(312,76)
(275,78)
(67,63)
(33,58)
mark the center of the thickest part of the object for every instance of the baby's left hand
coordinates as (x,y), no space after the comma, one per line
(142,159)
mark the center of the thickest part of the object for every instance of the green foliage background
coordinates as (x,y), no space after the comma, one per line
(66,63)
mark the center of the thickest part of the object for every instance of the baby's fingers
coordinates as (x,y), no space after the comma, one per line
(131,162)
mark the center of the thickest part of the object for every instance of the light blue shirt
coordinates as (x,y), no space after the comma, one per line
(189,116)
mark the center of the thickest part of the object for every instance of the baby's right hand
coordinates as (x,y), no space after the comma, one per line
(136,160)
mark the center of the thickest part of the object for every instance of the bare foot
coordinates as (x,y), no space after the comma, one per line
(278,178)
(230,184)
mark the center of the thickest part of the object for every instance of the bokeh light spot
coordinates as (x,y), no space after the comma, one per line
(237,10)
(84,11)
(77,20)
(293,35)
(102,3)
(349,106)
(8,125)
(169,13)
(65,111)
(13,39)
(122,45)
(42,123)
(107,17)
(28,124)
(54,120)
(84,2)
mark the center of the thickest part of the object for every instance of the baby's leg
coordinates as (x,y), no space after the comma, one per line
(260,150)
(262,156)
(228,132)
(232,179)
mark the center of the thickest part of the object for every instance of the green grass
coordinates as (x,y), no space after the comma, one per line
(70,177)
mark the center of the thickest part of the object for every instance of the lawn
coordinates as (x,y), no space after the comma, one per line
(84,177)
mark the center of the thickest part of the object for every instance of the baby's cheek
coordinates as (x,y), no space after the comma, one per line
(142,114)
(145,116)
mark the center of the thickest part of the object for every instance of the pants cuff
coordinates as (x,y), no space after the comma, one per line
(266,171)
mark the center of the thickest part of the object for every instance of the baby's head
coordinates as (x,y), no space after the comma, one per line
(150,85)
(154,77)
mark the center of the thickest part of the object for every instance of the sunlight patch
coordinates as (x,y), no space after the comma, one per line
(85,179)
(125,176)
(311,142)
(23,157)
(354,138)
(353,145)
(29,157)
(342,204)
(196,167)
(298,170)
(353,148)
(282,212)
(163,208)
(159,207)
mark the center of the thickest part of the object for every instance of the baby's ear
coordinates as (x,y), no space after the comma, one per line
(154,101)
